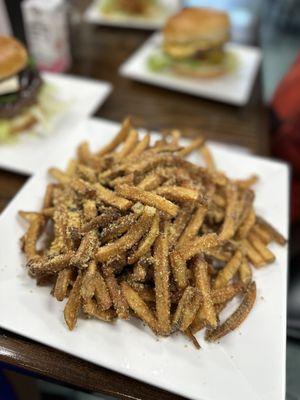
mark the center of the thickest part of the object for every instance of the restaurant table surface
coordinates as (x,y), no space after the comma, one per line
(98,53)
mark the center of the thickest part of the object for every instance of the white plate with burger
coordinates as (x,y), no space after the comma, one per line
(36,110)
(139,14)
(192,55)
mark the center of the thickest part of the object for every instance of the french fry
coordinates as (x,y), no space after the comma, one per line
(186,309)
(100,221)
(236,318)
(203,284)
(87,289)
(120,226)
(133,235)
(246,225)
(110,198)
(91,309)
(62,284)
(193,226)
(117,296)
(85,250)
(262,249)
(199,245)
(101,292)
(59,175)
(190,335)
(73,305)
(48,197)
(129,144)
(227,292)
(178,226)
(196,144)
(49,264)
(147,243)
(121,136)
(150,182)
(208,158)
(36,225)
(245,272)
(177,193)
(262,233)
(162,280)
(140,147)
(230,269)
(247,183)
(139,307)
(89,209)
(148,198)
(254,257)
(277,237)
(229,225)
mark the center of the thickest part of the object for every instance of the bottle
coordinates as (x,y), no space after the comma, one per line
(47,33)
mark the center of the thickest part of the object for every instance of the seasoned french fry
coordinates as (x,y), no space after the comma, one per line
(262,233)
(132,236)
(141,146)
(190,335)
(110,198)
(121,136)
(139,307)
(90,308)
(230,269)
(203,284)
(193,226)
(89,209)
(262,249)
(187,308)
(229,225)
(86,250)
(36,225)
(162,280)
(150,182)
(177,193)
(129,144)
(226,293)
(49,264)
(274,233)
(117,296)
(73,305)
(245,272)
(100,221)
(246,225)
(120,226)
(147,243)
(59,175)
(199,245)
(196,144)
(253,255)
(178,226)
(62,284)
(236,318)
(208,158)
(101,292)
(148,198)
(247,183)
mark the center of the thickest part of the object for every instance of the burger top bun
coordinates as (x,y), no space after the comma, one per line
(13,57)
(200,28)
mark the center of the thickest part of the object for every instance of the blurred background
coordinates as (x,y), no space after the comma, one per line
(272,25)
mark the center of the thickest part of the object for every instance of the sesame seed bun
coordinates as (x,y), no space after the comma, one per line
(13,57)
(195,29)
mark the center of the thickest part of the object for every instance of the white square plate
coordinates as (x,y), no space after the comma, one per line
(247,364)
(234,88)
(80,98)
(94,15)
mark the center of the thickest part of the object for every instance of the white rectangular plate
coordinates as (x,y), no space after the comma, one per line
(247,364)
(233,88)
(80,98)
(94,15)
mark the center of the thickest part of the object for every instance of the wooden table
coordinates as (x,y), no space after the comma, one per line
(98,53)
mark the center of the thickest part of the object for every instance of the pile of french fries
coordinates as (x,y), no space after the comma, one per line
(137,230)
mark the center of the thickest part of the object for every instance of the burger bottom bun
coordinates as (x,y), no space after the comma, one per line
(201,72)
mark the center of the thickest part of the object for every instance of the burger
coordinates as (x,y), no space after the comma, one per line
(138,8)
(20,88)
(193,44)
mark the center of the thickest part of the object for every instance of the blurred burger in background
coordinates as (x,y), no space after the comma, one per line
(193,44)
(24,98)
(141,8)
